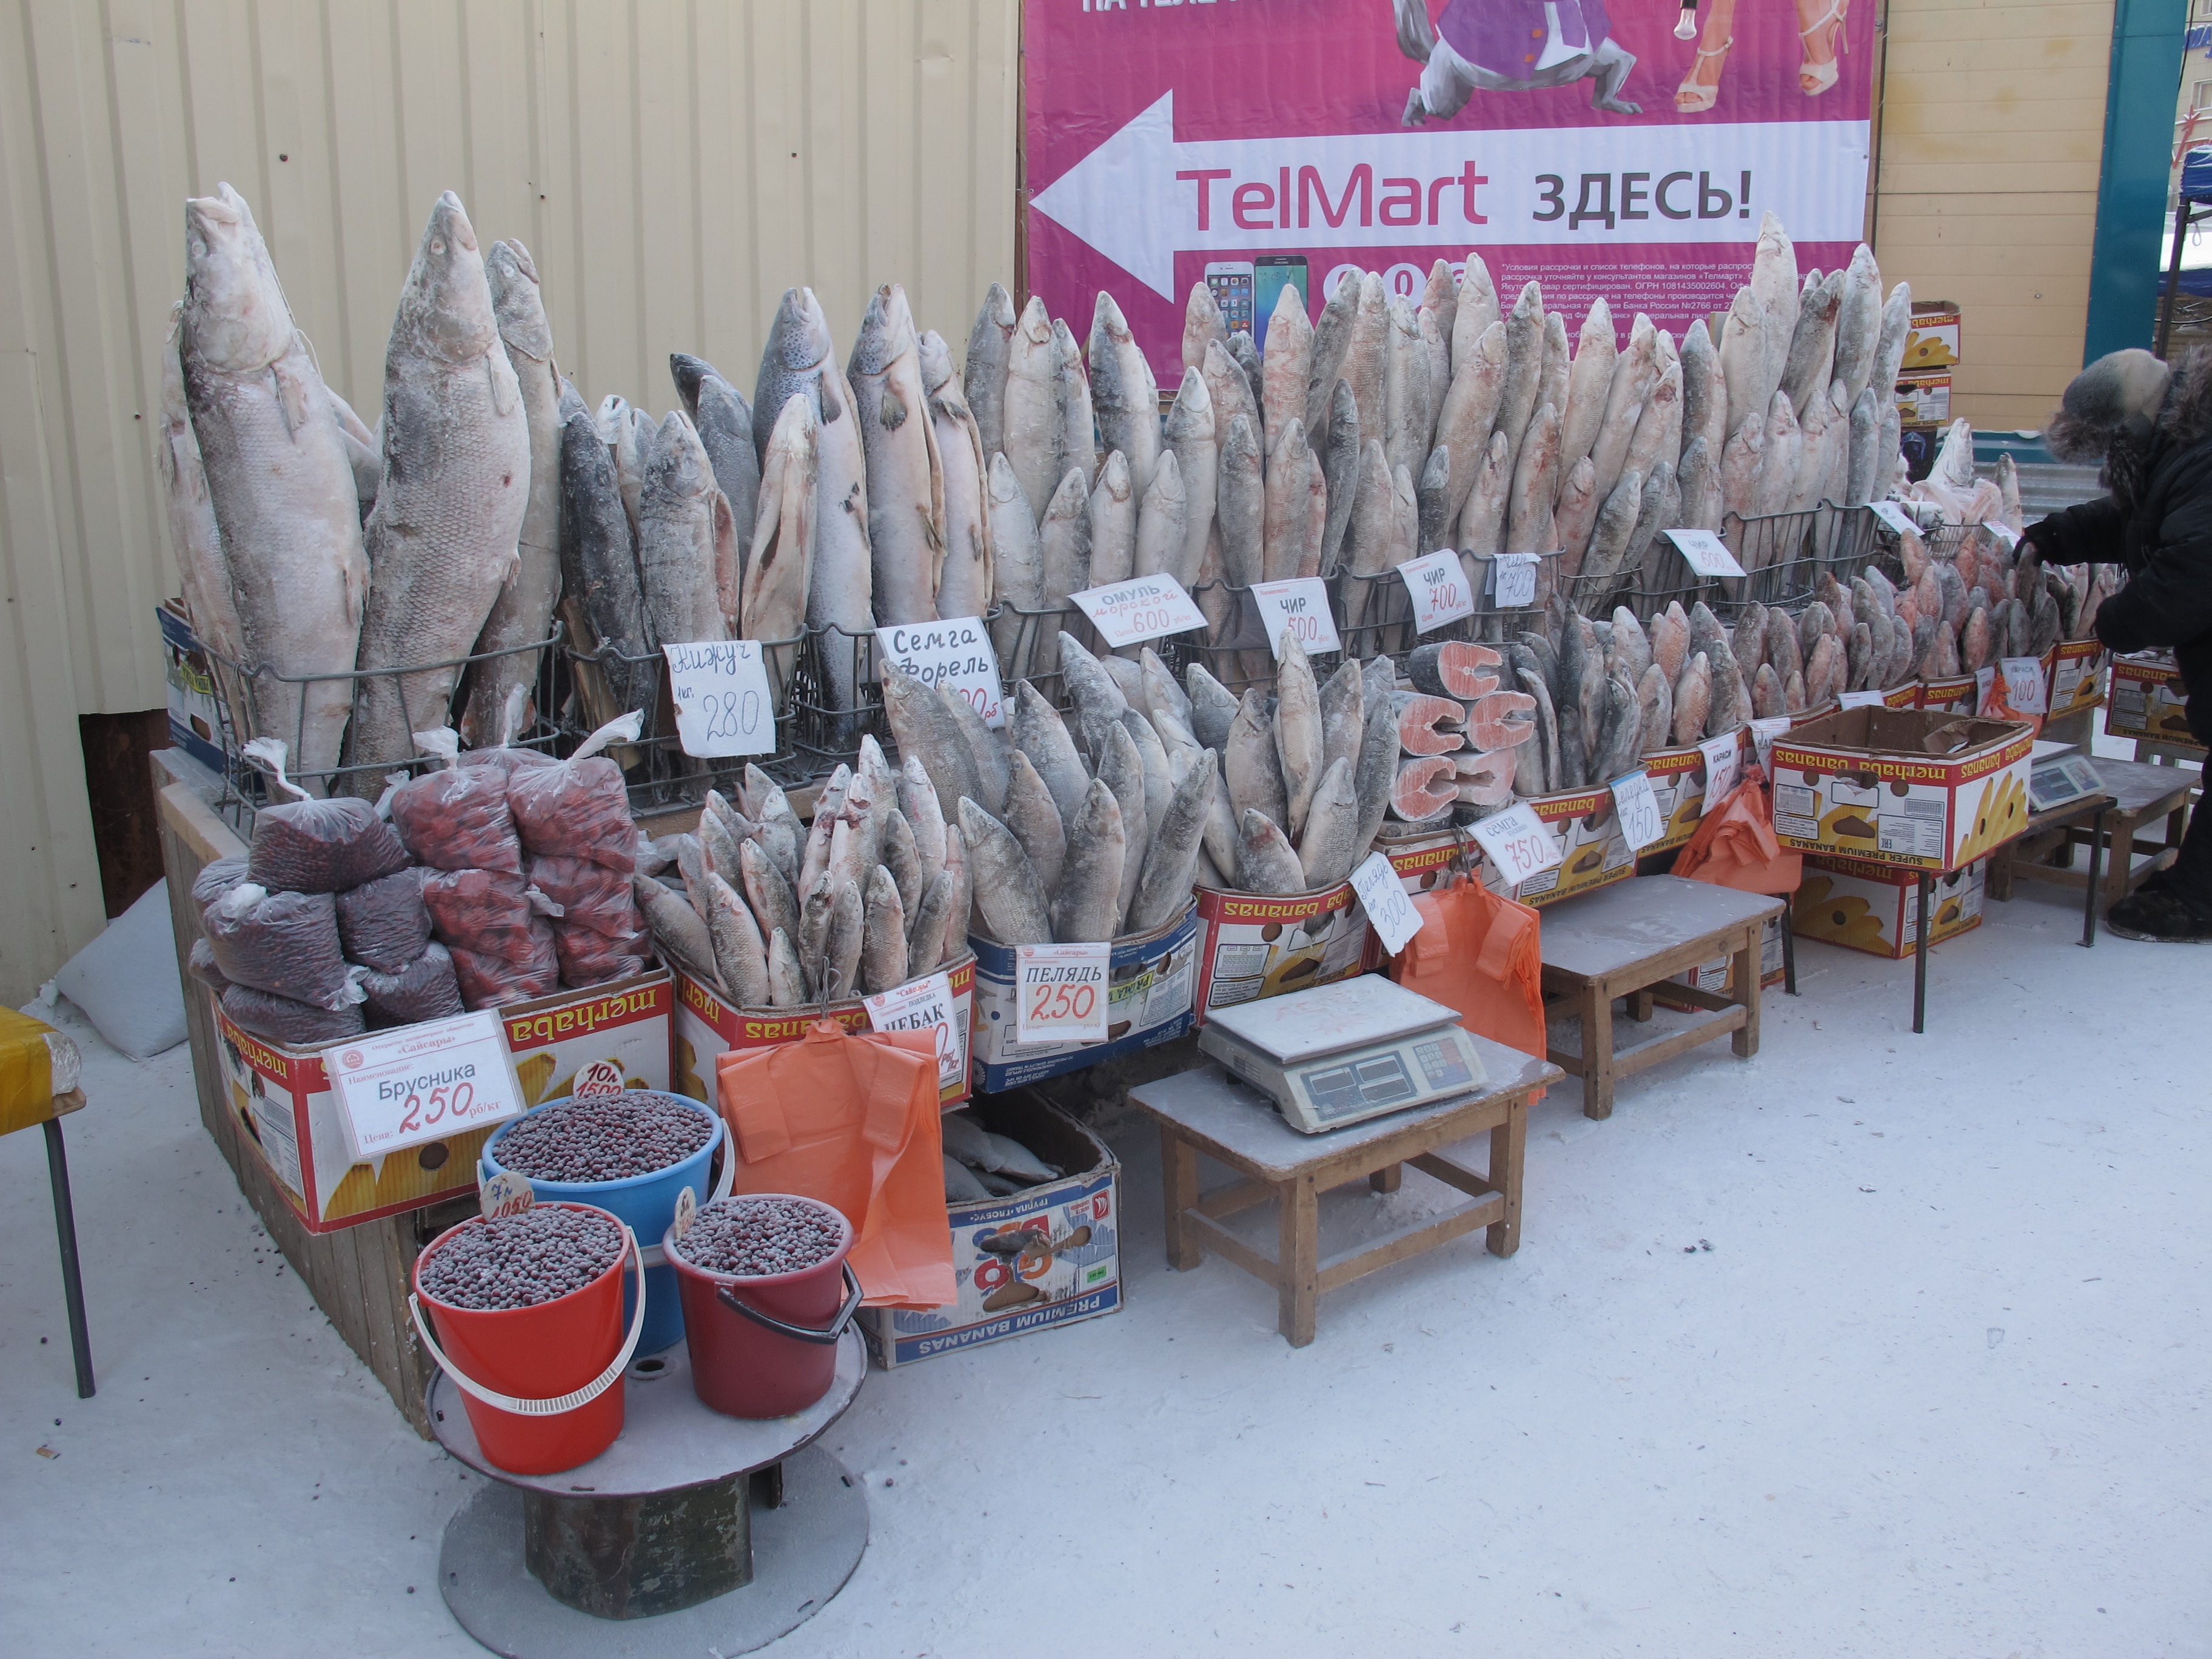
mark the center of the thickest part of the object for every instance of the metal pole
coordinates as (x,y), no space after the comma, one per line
(1788,948)
(1920,959)
(2181,213)
(2096,855)
(72,1283)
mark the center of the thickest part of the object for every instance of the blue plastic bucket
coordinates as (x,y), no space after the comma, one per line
(646,1202)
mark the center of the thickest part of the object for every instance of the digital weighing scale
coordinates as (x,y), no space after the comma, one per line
(2057,774)
(1344,1053)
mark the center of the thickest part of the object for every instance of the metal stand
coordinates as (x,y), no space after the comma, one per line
(1788,948)
(1920,958)
(72,1280)
(693,1532)
(2096,856)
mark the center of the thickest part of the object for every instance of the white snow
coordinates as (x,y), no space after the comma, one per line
(1937,1387)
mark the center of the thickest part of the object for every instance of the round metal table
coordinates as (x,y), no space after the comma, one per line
(693,1532)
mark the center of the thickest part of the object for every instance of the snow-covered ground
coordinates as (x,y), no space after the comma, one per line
(1937,1386)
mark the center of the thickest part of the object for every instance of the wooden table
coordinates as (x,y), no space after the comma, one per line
(1207,1110)
(2141,794)
(1621,940)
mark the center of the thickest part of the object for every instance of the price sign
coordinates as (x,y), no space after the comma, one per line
(1763,735)
(1705,552)
(1518,843)
(1299,608)
(1441,591)
(2004,532)
(723,704)
(1513,581)
(1985,681)
(1383,895)
(1641,823)
(1894,516)
(924,1004)
(421,1083)
(505,1194)
(1722,767)
(956,654)
(1860,700)
(1062,993)
(2024,686)
(1143,608)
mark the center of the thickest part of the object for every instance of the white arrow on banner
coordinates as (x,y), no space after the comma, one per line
(1141,197)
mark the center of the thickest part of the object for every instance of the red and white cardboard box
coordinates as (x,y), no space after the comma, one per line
(1859,783)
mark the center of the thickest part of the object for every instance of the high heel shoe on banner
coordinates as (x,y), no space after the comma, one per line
(1814,79)
(1693,96)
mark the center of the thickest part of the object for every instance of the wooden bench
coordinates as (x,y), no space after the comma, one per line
(1620,941)
(1207,1110)
(2142,794)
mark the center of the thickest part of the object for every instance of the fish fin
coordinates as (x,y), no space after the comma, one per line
(291,394)
(892,412)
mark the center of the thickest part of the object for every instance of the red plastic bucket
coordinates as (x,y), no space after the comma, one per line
(542,1385)
(766,1345)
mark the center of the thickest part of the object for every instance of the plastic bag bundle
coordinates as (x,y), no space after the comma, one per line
(506,761)
(591,895)
(309,846)
(579,808)
(589,958)
(286,943)
(280,1019)
(216,877)
(486,911)
(424,989)
(457,819)
(486,982)
(199,963)
(384,924)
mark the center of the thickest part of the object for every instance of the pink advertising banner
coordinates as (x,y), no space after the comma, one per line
(1254,144)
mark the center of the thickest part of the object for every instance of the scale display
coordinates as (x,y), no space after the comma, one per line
(2055,782)
(1341,1054)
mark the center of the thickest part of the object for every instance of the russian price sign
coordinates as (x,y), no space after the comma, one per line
(1383,895)
(1893,516)
(1641,823)
(924,1004)
(1299,608)
(1704,552)
(1061,991)
(1721,767)
(1513,581)
(1143,608)
(1440,589)
(1518,843)
(426,1082)
(723,705)
(955,653)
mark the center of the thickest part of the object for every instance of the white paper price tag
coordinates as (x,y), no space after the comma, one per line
(1441,592)
(1641,823)
(505,1193)
(924,1004)
(1062,993)
(1705,552)
(723,704)
(1894,516)
(1985,681)
(421,1083)
(2004,532)
(1384,897)
(1722,767)
(1143,608)
(1859,700)
(1298,607)
(2024,686)
(1763,735)
(1513,581)
(956,654)
(1518,842)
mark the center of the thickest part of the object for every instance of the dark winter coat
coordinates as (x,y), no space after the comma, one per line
(2165,542)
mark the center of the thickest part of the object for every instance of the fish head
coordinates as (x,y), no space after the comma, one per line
(1113,478)
(1064,349)
(936,361)
(690,373)
(880,338)
(1192,414)
(572,403)
(1035,325)
(613,419)
(1241,449)
(1004,488)
(516,301)
(1107,323)
(446,309)
(999,305)
(675,461)
(234,313)
(798,338)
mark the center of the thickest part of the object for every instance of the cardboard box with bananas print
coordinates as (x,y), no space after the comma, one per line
(2147,701)
(1922,790)
(1597,854)
(1875,908)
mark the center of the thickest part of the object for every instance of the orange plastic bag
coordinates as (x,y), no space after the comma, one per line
(1734,846)
(1481,954)
(851,1119)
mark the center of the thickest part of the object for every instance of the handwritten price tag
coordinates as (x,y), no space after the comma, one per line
(1518,843)
(923,1005)
(1860,700)
(2024,686)
(421,1083)
(1062,993)
(1722,767)
(1894,516)
(1640,821)
(956,654)
(1299,608)
(1513,581)
(1143,608)
(1705,552)
(723,705)
(1384,897)
(1441,591)
(505,1193)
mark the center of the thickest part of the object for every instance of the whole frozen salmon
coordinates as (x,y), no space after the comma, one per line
(1288,365)
(725,421)
(1201,325)
(983,375)
(194,539)
(906,479)
(1123,395)
(686,540)
(277,478)
(773,605)
(599,562)
(1032,409)
(964,578)
(1590,382)
(1191,439)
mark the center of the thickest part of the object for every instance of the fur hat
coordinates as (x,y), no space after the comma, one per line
(2121,393)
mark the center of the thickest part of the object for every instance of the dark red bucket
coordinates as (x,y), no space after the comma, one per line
(766,1345)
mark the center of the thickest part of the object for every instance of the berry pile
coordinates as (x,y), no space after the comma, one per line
(604,1137)
(520,1261)
(751,1236)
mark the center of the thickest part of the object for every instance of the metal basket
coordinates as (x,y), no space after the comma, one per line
(1242,657)
(824,734)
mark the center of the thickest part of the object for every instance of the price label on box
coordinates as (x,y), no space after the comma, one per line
(723,704)
(1513,581)
(1441,592)
(1143,608)
(1722,766)
(1383,895)
(924,1004)
(1641,821)
(426,1082)
(1894,516)
(1518,843)
(1061,992)
(1705,552)
(1860,700)
(1763,732)
(2024,686)
(955,653)
(1299,608)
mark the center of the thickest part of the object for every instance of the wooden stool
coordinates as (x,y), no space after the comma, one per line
(2141,794)
(1207,1110)
(1621,940)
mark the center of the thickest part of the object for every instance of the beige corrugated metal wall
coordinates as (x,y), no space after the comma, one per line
(673,165)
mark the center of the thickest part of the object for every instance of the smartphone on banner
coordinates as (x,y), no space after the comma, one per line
(1231,282)
(1271,274)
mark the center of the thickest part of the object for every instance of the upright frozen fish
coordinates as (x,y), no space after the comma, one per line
(965,577)
(686,540)
(780,564)
(605,602)
(983,375)
(724,422)
(906,477)
(1123,395)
